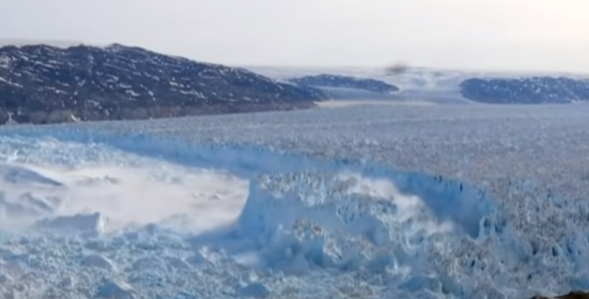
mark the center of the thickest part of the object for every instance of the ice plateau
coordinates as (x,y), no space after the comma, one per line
(167,209)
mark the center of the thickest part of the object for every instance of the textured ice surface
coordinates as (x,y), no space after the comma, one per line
(363,202)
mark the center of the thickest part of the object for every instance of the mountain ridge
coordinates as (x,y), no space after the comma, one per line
(45,84)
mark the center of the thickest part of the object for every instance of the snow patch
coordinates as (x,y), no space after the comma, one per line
(198,94)
(132,93)
(10,82)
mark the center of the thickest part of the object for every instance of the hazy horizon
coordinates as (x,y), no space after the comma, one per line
(500,35)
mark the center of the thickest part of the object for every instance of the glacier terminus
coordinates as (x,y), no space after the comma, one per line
(352,202)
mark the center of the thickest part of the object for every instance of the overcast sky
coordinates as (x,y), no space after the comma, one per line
(473,34)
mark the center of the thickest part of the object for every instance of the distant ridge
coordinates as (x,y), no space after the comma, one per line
(458,87)
(49,42)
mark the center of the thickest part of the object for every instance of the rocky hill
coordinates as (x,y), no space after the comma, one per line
(338,81)
(531,90)
(45,84)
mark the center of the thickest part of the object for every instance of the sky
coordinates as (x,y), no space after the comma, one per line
(526,35)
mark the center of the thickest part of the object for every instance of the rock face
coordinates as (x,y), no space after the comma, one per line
(327,80)
(43,84)
(534,90)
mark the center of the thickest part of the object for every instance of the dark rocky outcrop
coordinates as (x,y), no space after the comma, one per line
(533,90)
(4,117)
(328,80)
(571,295)
(43,84)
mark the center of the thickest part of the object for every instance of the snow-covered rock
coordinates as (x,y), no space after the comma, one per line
(527,90)
(345,87)
(46,84)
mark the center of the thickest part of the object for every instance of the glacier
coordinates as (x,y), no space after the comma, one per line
(268,221)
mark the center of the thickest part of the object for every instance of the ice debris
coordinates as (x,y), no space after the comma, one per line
(98,261)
